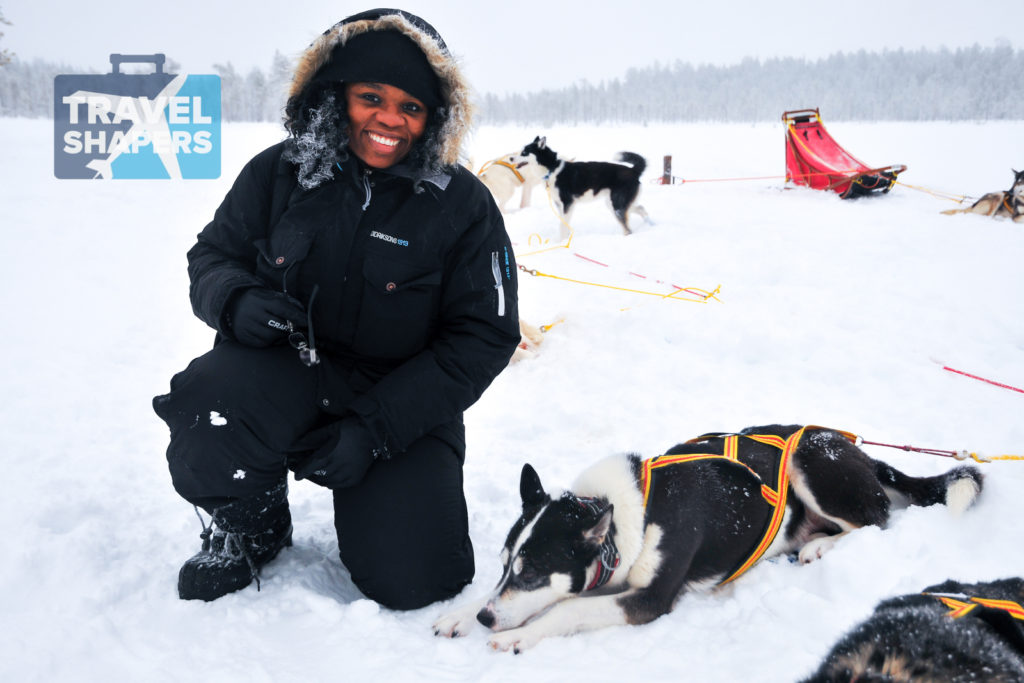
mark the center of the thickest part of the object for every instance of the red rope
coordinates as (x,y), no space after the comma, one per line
(915,449)
(982,379)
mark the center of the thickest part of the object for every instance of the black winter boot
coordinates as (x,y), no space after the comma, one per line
(249,534)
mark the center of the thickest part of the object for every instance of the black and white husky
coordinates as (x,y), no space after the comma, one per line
(1009,204)
(948,632)
(633,535)
(574,181)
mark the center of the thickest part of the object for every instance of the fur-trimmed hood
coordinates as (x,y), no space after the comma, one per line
(455,90)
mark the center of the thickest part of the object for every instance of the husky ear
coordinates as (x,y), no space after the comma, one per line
(596,534)
(530,489)
(542,142)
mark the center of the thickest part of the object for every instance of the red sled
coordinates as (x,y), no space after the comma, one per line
(815,159)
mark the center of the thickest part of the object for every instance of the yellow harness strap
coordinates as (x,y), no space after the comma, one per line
(959,608)
(775,497)
(499,162)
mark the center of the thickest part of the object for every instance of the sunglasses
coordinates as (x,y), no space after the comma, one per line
(307,351)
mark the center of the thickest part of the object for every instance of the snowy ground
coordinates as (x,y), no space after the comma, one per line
(831,312)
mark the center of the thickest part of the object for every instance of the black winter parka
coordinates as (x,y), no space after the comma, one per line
(411,286)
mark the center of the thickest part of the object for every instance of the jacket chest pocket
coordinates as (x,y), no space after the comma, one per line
(399,308)
(278,254)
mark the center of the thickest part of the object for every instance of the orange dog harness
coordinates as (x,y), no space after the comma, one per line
(961,605)
(774,494)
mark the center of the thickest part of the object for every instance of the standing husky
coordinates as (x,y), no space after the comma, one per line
(573,181)
(1009,204)
(633,535)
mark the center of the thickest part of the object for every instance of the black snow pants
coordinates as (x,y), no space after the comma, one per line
(234,414)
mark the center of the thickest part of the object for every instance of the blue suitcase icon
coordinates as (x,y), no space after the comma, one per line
(122,125)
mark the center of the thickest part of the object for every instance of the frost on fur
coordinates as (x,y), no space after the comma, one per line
(312,151)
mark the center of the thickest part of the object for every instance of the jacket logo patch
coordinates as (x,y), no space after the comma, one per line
(389,238)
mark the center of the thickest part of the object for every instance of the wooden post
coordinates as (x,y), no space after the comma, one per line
(666,174)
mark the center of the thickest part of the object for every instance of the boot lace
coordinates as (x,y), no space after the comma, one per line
(233,546)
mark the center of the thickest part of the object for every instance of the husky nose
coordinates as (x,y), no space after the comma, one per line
(485,617)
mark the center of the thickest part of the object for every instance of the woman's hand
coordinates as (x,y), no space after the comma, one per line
(260,317)
(344,452)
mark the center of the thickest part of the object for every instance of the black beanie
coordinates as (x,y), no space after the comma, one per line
(388,57)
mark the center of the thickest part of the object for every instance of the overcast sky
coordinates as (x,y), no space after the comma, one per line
(515,45)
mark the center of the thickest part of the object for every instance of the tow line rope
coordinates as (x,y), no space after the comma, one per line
(939,194)
(700,295)
(959,455)
(980,379)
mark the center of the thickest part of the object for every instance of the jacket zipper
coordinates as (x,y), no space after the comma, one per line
(366,186)
(496,270)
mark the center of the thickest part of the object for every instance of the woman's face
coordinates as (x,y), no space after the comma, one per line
(384,122)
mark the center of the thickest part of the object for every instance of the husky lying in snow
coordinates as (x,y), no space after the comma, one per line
(633,535)
(1009,204)
(574,181)
(504,175)
(949,632)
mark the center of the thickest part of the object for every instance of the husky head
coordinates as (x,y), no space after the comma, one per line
(538,152)
(551,553)
(1017,189)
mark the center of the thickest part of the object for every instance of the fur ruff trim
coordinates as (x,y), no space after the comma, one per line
(455,90)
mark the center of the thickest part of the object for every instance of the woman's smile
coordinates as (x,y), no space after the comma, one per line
(384,122)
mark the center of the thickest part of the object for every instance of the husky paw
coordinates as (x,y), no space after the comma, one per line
(458,623)
(815,549)
(516,640)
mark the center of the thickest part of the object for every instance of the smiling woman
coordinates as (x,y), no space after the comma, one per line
(360,243)
(384,122)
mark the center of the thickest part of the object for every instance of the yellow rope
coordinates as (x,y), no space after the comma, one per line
(964,455)
(545,328)
(958,198)
(671,295)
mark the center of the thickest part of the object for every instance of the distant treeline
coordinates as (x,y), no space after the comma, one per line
(971,83)
(976,83)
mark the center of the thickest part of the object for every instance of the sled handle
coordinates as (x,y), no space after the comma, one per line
(157,60)
(800,113)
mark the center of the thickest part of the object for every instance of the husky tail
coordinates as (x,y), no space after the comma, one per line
(635,160)
(957,488)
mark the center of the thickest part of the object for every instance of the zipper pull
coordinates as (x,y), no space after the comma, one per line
(496,271)
(366,186)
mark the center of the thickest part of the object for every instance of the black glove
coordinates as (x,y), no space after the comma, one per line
(260,317)
(344,451)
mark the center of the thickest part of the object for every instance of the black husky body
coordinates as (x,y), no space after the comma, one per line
(1009,204)
(575,181)
(949,632)
(633,535)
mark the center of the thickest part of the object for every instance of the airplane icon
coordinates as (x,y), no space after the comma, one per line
(150,128)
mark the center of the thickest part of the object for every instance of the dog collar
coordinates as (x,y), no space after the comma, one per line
(608,556)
